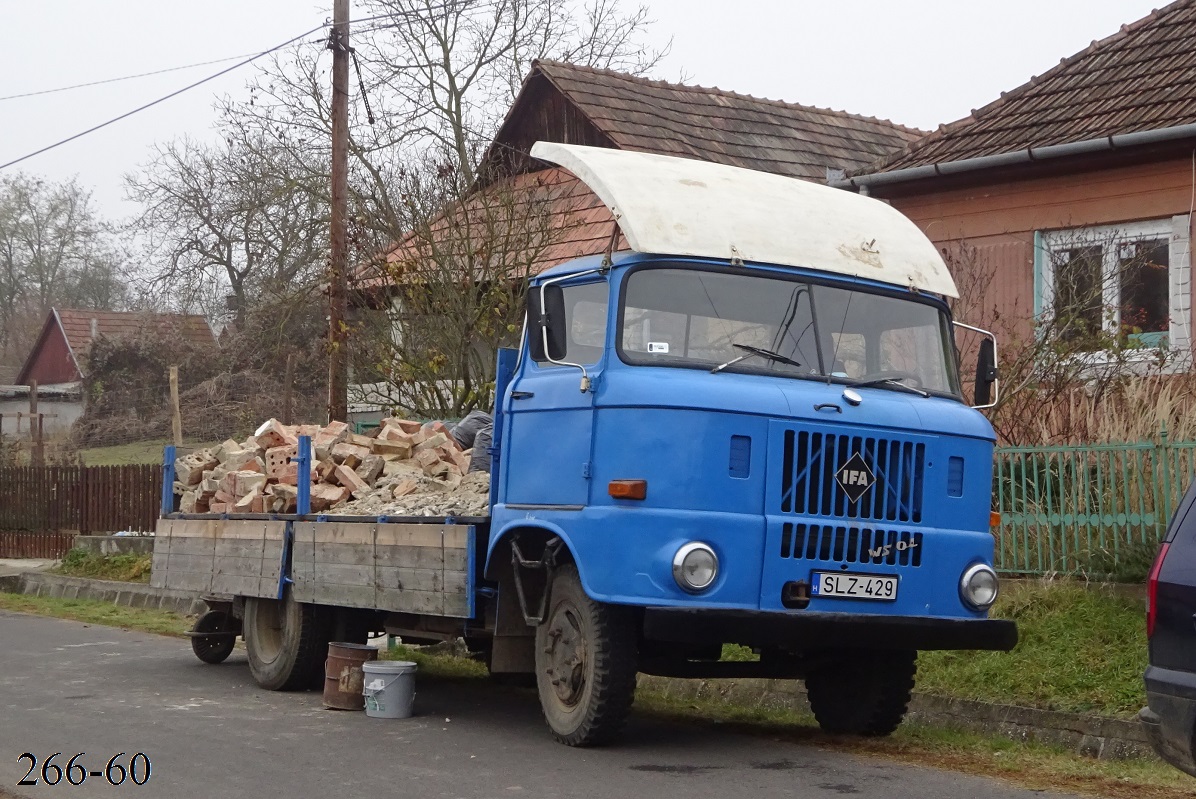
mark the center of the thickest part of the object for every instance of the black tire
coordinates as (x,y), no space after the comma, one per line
(213,649)
(585,664)
(864,694)
(283,640)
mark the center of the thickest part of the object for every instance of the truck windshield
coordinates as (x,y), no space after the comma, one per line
(767,324)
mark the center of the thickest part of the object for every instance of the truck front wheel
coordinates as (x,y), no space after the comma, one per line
(282,640)
(585,664)
(863,693)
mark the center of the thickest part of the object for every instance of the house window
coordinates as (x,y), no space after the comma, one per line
(1127,283)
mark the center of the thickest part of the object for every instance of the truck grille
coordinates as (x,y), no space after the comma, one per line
(810,461)
(851,545)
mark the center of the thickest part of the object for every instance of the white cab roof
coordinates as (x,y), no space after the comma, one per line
(679,206)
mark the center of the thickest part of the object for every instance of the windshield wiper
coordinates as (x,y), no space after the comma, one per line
(759,352)
(888,381)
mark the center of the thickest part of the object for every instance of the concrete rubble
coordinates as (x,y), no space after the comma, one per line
(402,468)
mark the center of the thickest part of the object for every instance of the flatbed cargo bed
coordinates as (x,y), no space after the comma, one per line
(419,564)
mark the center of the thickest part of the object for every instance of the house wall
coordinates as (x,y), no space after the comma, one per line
(59,416)
(52,362)
(999,219)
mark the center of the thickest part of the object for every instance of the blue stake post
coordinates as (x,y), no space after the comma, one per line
(504,373)
(303,500)
(168,480)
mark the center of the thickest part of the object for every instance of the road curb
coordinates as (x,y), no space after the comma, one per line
(1092,736)
(134,595)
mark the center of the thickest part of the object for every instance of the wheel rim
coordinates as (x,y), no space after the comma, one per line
(267,629)
(568,652)
(211,645)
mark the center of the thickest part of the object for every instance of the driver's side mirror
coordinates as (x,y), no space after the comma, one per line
(550,318)
(986,373)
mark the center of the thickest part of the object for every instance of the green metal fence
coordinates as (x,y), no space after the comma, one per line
(1086,508)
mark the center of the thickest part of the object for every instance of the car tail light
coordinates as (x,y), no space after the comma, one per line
(1152,588)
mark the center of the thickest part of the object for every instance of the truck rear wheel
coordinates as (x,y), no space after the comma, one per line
(585,664)
(282,639)
(862,694)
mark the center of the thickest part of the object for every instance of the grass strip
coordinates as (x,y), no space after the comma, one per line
(90,611)
(1080,649)
(137,452)
(126,568)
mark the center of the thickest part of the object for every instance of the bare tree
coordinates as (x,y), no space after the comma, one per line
(54,250)
(452,291)
(457,65)
(242,216)
(437,76)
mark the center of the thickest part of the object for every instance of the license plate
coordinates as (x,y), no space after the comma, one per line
(854,586)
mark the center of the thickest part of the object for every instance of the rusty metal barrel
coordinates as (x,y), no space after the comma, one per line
(343,677)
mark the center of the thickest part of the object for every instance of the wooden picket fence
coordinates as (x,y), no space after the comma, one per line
(42,508)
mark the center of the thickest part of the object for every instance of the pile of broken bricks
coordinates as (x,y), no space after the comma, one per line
(261,474)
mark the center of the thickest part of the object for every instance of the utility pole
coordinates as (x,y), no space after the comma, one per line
(38,457)
(338,357)
(176,412)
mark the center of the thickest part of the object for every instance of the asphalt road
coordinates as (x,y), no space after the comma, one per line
(210,732)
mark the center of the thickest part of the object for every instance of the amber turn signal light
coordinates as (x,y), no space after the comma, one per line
(628,489)
(994,518)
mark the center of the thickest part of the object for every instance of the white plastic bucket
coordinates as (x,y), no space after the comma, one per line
(389,688)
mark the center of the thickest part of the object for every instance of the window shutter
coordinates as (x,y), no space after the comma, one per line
(1180,282)
(1041,289)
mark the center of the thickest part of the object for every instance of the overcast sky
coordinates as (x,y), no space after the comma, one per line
(920,62)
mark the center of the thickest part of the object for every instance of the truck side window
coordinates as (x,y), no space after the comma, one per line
(585,320)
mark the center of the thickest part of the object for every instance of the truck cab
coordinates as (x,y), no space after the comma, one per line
(750,428)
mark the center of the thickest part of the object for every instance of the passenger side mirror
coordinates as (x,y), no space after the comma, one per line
(986,373)
(546,323)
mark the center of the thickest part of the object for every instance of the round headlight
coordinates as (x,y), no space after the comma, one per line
(695,566)
(978,587)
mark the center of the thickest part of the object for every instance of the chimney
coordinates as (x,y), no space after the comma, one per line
(95,328)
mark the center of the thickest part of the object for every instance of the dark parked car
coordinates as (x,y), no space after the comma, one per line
(1170,714)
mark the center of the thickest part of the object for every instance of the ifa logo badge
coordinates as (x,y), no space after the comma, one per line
(855,478)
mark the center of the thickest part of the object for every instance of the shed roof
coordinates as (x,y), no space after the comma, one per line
(79,329)
(708,124)
(1141,78)
(580,224)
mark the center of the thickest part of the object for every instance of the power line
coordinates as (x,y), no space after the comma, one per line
(167,69)
(164,98)
(124,77)
(447,5)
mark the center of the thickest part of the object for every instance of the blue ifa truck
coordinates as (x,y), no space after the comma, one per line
(747,428)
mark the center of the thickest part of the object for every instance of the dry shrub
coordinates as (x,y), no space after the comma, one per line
(226,388)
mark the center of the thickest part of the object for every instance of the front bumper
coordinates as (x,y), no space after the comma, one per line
(1169,718)
(813,630)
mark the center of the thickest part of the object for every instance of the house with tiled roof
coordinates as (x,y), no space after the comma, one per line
(57,361)
(60,353)
(1074,190)
(571,104)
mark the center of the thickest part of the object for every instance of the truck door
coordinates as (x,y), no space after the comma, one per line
(550,420)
